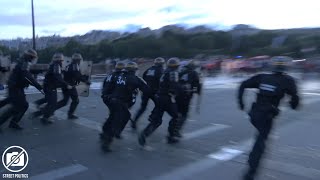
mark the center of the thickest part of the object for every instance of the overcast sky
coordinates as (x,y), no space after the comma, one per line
(72,17)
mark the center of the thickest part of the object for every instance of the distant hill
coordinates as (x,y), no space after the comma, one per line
(95,36)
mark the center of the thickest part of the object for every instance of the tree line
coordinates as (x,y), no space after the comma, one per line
(171,44)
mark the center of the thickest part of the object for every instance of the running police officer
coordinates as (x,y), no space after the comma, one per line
(152,77)
(73,77)
(165,102)
(189,81)
(19,79)
(272,88)
(107,90)
(53,80)
(118,100)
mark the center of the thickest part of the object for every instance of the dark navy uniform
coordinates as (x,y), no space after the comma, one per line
(123,87)
(73,77)
(165,102)
(190,83)
(4,102)
(19,79)
(53,80)
(107,90)
(152,77)
(272,88)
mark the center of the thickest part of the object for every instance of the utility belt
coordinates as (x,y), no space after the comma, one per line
(265,108)
(262,115)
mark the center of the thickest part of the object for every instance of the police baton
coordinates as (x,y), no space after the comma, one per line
(34,85)
(198,104)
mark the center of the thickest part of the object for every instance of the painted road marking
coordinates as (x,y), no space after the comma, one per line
(308,93)
(60,173)
(289,168)
(81,121)
(226,153)
(204,131)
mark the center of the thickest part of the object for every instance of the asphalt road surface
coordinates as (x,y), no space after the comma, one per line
(215,144)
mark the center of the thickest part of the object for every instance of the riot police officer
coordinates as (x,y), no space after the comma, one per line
(152,77)
(4,102)
(73,77)
(119,99)
(165,102)
(107,90)
(19,79)
(53,80)
(190,82)
(272,88)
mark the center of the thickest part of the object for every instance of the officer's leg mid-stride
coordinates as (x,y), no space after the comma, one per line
(183,104)
(51,97)
(19,106)
(163,104)
(74,103)
(143,107)
(262,120)
(113,125)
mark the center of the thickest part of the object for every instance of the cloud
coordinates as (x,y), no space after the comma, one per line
(47,31)
(168,9)
(81,16)
(187,18)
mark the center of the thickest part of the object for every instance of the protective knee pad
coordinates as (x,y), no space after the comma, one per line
(64,101)
(156,122)
(76,101)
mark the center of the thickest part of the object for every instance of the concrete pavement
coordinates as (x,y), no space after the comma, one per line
(216,144)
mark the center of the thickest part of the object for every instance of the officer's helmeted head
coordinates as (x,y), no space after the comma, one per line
(30,56)
(279,64)
(131,67)
(159,61)
(112,64)
(192,64)
(77,58)
(173,63)
(58,58)
(119,66)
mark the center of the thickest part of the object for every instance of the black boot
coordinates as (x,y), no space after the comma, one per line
(134,125)
(72,116)
(46,120)
(15,126)
(248,177)
(172,139)
(179,135)
(36,114)
(106,142)
(249,174)
(142,139)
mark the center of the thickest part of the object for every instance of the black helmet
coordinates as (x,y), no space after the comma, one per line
(192,64)
(131,66)
(120,66)
(77,57)
(280,63)
(30,55)
(173,62)
(58,57)
(159,61)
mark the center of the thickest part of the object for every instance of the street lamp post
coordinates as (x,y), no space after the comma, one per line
(33,29)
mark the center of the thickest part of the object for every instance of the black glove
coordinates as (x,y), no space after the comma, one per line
(241,105)
(293,105)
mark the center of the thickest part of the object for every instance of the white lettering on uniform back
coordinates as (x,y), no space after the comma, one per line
(121,81)
(267,87)
(151,72)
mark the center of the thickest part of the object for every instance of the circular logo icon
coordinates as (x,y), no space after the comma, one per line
(15,159)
